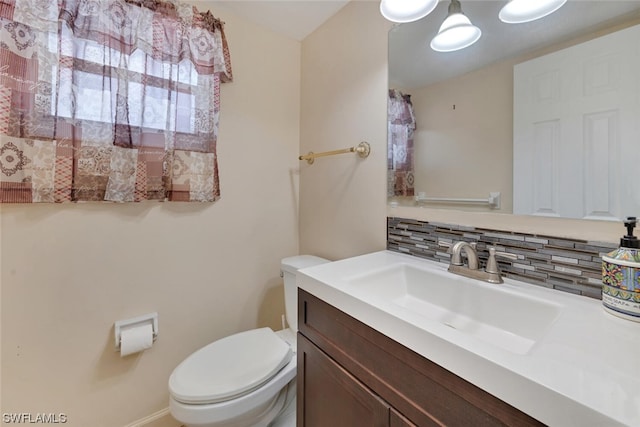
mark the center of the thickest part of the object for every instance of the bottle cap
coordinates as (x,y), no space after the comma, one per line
(630,241)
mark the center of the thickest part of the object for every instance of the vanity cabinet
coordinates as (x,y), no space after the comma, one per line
(339,399)
(350,375)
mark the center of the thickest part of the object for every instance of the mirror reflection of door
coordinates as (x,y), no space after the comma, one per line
(576,138)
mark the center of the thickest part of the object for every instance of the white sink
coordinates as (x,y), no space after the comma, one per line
(489,312)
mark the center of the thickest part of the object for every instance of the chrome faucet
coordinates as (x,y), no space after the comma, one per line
(469,250)
(490,274)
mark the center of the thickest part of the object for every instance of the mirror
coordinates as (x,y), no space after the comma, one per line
(463,104)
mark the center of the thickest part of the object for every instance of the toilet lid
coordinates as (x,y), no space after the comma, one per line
(230,367)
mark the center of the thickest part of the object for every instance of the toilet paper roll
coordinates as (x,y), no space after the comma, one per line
(135,339)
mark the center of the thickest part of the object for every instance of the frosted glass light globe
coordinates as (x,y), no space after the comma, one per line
(456,32)
(406,10)
(519,11)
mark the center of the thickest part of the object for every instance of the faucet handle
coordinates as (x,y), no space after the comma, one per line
(492,264)
(507,255)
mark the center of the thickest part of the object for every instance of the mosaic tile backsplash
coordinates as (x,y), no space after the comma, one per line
(567,265)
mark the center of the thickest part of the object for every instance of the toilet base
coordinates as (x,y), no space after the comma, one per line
(278,411)
(261,416)
(287,416)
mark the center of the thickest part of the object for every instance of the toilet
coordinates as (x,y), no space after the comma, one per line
(246,379)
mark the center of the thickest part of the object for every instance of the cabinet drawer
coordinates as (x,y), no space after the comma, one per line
(422,391)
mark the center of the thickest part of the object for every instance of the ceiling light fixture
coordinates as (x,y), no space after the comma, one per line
(519,11)
(406,10)
(456,32)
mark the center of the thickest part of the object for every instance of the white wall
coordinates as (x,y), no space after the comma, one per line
(69,271)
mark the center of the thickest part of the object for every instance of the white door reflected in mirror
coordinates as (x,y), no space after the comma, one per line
(575,132)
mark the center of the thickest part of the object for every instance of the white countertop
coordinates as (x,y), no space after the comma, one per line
(585,371)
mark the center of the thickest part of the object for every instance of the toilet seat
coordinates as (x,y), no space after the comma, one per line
(230,367)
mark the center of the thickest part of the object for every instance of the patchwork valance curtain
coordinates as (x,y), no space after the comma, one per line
(112,100)
(401,127)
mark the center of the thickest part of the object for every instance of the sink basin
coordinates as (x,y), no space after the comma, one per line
(491,313)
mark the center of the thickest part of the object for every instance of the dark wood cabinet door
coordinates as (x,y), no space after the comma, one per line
(397,420)
(426,394)
(328,396)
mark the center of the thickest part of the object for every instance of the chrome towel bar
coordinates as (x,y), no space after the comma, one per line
(493,200)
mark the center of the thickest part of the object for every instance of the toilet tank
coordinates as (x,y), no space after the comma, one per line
(289,266)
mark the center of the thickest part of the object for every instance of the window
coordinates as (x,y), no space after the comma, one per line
(115,101)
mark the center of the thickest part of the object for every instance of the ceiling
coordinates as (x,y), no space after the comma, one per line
(411,61)
(413,64)
(292,18)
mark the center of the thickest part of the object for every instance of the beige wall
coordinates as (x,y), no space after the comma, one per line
(463,138)
(344,92)
(342,203)
(70,271)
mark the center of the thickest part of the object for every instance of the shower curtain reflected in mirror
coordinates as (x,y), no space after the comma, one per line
(401,127)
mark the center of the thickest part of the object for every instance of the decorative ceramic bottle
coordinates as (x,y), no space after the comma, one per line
(621,276)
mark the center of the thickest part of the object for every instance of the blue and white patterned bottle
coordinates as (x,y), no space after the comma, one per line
(621,276)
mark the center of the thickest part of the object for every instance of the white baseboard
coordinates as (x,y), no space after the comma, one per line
(162,418)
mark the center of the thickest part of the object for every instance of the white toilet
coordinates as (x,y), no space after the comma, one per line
(246,379)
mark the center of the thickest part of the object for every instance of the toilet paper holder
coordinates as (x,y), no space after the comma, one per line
(121,325)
